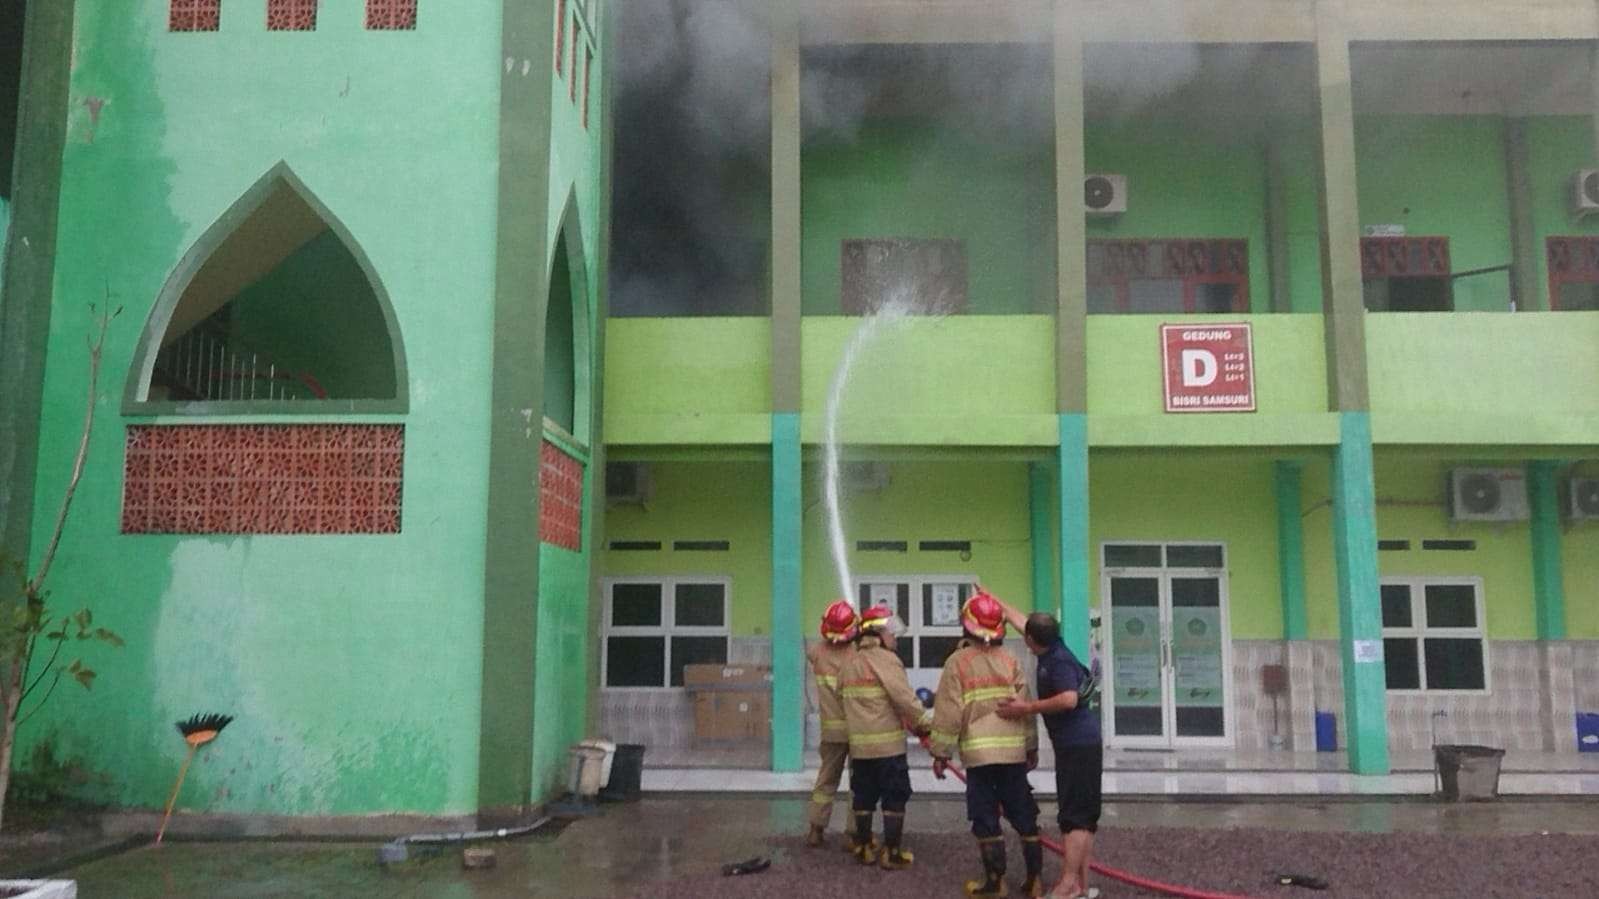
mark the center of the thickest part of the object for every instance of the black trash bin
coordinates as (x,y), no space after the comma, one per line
(1468,773)
(627,774)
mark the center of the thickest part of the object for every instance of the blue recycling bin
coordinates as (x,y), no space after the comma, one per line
(1326,732)
(1587,732)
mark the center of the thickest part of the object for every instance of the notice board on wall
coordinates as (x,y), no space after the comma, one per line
(1208,367)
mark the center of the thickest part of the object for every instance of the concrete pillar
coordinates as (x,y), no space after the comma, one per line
(1278,264)
(1071,332)
(1525,292)
(1548,578)
(1353,488)
(29,263)
(788,662)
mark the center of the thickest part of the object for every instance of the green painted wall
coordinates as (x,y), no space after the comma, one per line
(1557,146)
(561,685)
(1154,496)
(307,640)
(956,380)
(1580,555)
(561,675)
(704,501)
(688,380)
(1442,379)
(1211,186)
(1411,506)
(913,179)
(1442,175)
(984,502)
(317,313)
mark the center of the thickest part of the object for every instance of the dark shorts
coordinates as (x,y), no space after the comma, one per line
(1078,770)
(989,788)
(880,780)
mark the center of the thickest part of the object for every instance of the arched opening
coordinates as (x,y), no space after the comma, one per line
(566,356)
(276,303)
(560,352)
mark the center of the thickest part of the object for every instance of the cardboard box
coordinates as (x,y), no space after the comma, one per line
(723,677)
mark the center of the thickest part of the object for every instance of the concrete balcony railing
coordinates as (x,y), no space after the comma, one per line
(1435,379)
(1463,378)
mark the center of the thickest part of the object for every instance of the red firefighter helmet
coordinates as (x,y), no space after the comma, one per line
(877,619)
(840,623)
(983,617)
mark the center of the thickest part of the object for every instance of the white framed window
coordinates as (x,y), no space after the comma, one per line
(656,625)
(1433,635)
(930,608)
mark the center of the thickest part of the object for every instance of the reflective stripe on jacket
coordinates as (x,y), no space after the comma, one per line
(975,681)
(827,661)
(878,702)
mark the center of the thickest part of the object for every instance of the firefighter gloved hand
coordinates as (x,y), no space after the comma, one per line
(1032,759)
(939,767)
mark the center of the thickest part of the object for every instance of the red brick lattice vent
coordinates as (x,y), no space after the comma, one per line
(391,15)
(560,498)
(263,479)
(194,15)
(291,15)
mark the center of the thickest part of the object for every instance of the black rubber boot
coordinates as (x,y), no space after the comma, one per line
(992,850)
(860,844)
(895,858)
(1033,857)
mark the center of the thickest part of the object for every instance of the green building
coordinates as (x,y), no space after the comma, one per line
(1262,333)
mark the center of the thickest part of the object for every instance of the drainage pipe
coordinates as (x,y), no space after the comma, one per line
(398,850)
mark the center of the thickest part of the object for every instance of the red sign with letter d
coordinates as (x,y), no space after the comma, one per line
(1208,367)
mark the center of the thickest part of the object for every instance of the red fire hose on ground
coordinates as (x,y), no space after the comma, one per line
(1169,889)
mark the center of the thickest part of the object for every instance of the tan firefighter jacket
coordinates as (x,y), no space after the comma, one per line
(827,661)
(975,681)
(878,702)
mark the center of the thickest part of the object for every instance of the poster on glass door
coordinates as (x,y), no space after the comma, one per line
(1197,656)
(1135,648)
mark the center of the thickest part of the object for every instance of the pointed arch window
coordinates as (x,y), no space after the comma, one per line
(564,457)
(275,309)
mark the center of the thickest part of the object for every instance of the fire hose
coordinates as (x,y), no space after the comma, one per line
(1169,889)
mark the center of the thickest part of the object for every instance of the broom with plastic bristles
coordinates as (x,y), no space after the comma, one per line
(197,731)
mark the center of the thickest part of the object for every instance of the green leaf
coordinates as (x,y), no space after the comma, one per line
(83,617)
(76,666)
(56,635)
(85,677)
(106,636)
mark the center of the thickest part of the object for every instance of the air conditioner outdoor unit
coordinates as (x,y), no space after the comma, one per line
(1105,194)
(1584,499)
(627,483)
(1585,193)
(1488,494)
(864,477)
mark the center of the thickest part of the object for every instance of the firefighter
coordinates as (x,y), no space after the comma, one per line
(879,705)
(840,626)
(997,753)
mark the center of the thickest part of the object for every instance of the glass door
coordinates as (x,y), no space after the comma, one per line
(1168,681)
(1137,672)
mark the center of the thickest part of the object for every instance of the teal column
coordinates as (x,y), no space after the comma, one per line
(1041,536)
(1074,549)
(788,658)
(1291,550)
(788,635)
(1548,574)
(1359,598)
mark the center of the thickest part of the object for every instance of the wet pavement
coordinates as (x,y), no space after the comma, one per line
(674,846)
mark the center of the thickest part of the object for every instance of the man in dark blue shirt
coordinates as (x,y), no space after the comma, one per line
(1074,732)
